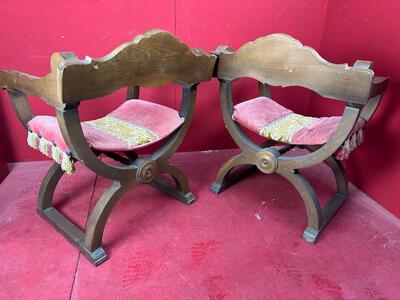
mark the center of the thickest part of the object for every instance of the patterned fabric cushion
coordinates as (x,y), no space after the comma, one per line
(273,121)
(133,125)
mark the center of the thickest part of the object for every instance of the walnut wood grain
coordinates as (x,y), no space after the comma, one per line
(281,60)
(152,59)
(47,88)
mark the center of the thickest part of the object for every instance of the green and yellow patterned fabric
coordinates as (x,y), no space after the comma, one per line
(129,133)
(283,129)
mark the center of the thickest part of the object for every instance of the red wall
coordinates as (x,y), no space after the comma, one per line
(342,31)
(32,30)
(210,23)
(31,33)
(369,30)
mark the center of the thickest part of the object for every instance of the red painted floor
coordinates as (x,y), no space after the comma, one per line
(243,244)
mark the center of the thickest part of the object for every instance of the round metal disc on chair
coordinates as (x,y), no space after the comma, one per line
(266,162)
(147,171)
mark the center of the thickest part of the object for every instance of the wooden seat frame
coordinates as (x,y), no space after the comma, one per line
(280,60)
(152,59)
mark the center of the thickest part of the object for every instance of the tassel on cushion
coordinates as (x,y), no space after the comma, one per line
(350,144)
(67,164)
(33,140)
(44,146)
(56,154)
(346,148)
(340,155)
(51,150)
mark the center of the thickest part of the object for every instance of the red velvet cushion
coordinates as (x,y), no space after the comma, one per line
(257,113)
(149,117)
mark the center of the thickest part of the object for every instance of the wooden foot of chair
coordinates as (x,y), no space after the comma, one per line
(73,234)
(318,217)
(180,191)
(90,241)
(227,177)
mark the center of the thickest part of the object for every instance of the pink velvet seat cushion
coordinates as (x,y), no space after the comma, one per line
(134,124)
(270,119)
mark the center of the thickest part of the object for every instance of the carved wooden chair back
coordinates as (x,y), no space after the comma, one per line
(280,60)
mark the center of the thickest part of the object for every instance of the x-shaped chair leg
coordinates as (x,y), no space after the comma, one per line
(318,217)
(270,160)
(227,176)
(144,170)
(89,241)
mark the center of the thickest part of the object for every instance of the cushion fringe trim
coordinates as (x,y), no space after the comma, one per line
(51,150)
(353,141)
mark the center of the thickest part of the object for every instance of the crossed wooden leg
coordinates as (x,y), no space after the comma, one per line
(89,241)
(317,217)
(181,189)
(227,177)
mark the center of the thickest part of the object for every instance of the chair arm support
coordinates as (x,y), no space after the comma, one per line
(71,129)
(347,123)
(379,86)
(132,92)
(187,108)
(264,90)
(371,106)
(226,102)
(21,107)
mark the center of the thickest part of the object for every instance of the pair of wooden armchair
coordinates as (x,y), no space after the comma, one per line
(156,58)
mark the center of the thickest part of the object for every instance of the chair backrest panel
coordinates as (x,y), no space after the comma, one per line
(280,60)
(152,59)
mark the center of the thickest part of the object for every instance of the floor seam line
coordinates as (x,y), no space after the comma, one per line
(76,272)
(87,217)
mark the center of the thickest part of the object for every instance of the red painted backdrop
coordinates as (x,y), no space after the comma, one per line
(342,31)
(32,32)
(368,29)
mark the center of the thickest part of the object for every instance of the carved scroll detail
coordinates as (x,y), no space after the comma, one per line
(280,60)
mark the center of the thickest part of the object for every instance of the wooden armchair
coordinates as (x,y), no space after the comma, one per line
(280,60)
(152,59)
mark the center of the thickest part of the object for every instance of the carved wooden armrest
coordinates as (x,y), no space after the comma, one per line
(27,84)
(48,88)
(378,84)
